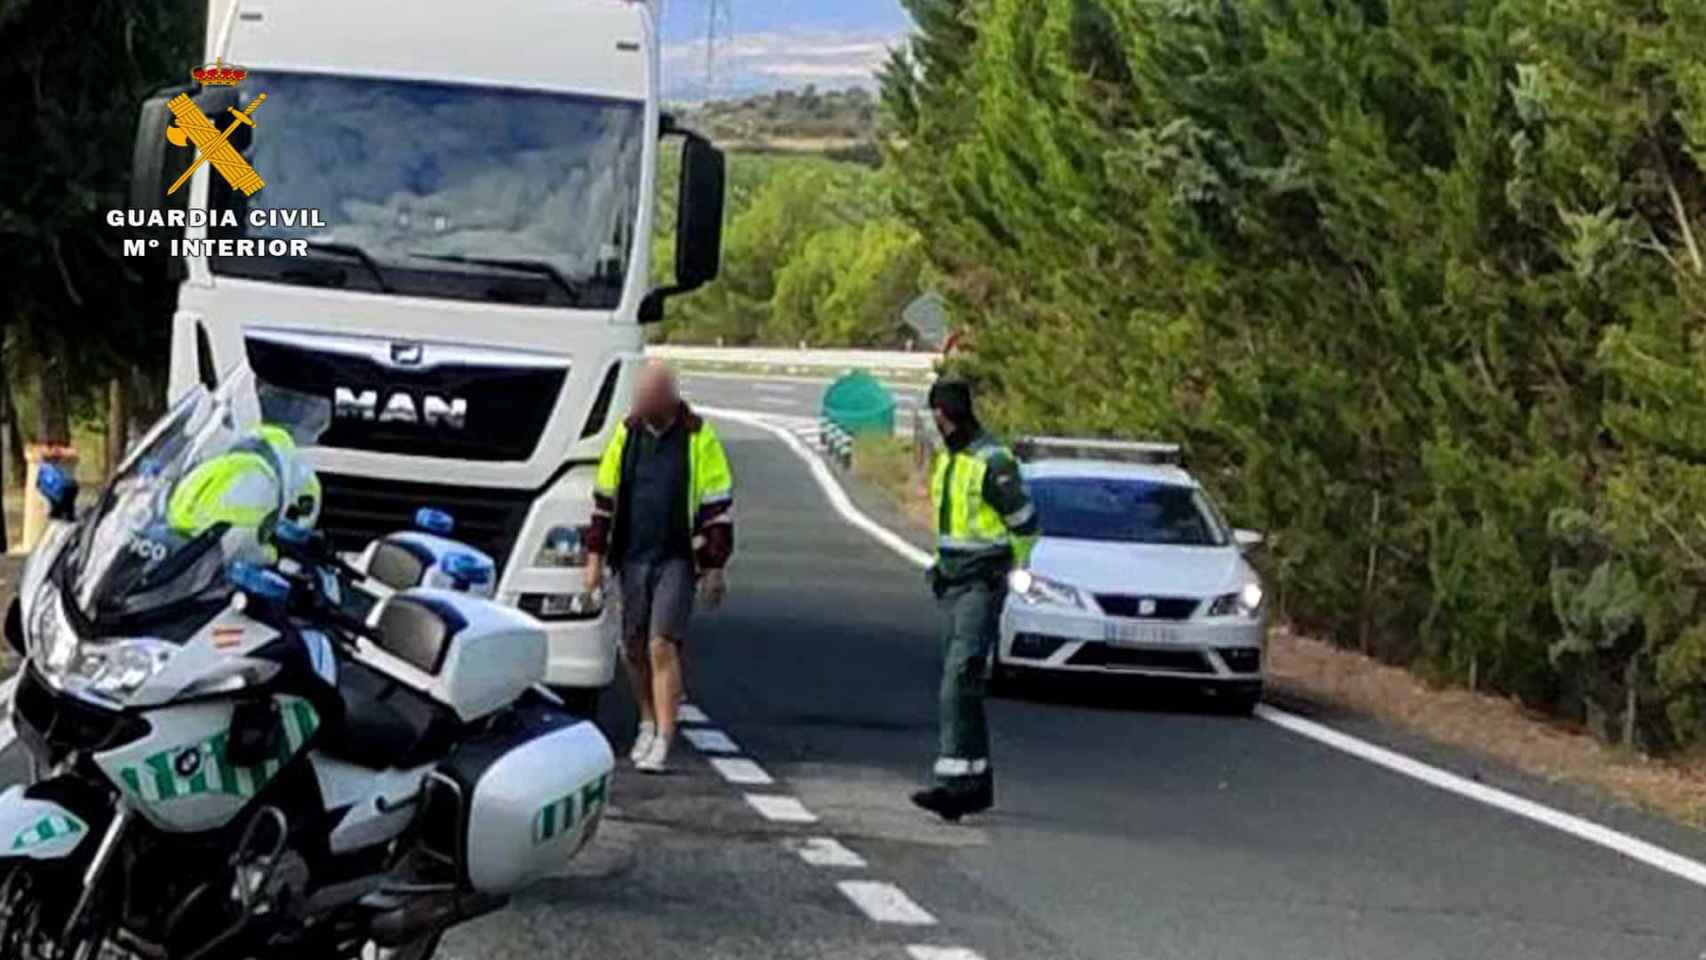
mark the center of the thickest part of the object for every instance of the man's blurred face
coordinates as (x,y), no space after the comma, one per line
(655,396)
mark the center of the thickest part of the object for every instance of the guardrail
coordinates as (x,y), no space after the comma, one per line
(837,443)
(823,361)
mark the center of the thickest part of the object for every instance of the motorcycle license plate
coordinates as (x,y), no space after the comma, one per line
(1135,634)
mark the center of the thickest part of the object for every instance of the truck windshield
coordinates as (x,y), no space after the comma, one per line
(439,189)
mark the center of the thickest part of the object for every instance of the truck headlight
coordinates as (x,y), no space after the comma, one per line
(1036,588)
(1245,603)
(563,547)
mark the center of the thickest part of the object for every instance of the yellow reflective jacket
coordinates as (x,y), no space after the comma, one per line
(709,504)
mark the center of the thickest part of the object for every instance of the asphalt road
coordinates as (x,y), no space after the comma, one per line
(1132,827)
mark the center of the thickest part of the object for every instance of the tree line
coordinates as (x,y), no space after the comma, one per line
(1420,286)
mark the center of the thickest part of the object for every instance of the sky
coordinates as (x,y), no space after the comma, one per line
(781,44)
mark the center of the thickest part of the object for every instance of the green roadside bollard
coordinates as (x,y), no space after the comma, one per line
(858,403)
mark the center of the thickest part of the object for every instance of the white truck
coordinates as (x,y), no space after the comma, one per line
(475,185)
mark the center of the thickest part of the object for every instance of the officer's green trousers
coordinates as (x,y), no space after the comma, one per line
(971,615)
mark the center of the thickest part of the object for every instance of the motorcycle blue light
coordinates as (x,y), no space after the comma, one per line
(433,520)
(466,568)
(258,583)
(55,484)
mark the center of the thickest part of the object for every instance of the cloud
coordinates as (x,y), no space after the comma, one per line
(770,60)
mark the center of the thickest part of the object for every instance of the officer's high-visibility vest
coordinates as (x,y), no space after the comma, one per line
(965,523)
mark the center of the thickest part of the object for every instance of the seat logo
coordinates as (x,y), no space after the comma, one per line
(1145,607)
(400,406)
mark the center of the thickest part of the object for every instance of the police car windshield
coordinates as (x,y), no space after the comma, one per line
(441,189)
(1123,510)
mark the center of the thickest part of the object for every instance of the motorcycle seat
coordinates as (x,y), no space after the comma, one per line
(386,724)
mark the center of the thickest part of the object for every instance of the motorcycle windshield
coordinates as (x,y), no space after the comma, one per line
(203,488)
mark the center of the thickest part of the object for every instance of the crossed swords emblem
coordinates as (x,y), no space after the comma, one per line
(212,144)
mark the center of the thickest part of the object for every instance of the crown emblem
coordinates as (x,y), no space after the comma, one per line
(218,74)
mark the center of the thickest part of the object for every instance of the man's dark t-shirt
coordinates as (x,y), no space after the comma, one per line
(654,523)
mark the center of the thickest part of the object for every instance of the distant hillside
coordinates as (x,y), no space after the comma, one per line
(837,122)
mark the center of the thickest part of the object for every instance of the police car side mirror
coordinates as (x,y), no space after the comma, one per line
(1247,540)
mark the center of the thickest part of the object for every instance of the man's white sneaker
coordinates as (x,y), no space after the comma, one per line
(643,741)
(656,759)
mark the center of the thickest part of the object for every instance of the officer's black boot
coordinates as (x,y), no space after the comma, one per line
(958,797)
(942,801)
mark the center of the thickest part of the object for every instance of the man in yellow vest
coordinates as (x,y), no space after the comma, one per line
(985,525)
(663,518)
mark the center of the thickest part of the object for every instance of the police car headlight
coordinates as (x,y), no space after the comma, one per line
(1245,603)
(1035,588)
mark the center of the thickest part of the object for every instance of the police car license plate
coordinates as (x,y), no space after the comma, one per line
(1115,631)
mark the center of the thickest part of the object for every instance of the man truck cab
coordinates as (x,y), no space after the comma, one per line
(475,185)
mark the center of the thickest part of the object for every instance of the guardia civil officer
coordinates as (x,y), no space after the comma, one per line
(985,525)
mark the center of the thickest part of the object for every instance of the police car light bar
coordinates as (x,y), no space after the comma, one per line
(1030,449)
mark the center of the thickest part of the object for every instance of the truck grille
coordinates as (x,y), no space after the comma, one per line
(360,509)
(1131,606)
(505,409)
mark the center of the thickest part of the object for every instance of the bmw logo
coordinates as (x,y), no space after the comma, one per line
(188,763)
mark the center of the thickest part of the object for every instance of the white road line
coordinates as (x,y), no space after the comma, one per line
(778,401)
(827,852)
(688,713)
(885,903)
(1633,847)
(780,809)
(710,741)
(740,770)
(919,951)
(781,386)
(831,487)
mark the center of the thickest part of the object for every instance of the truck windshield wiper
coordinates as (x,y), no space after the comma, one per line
(352,252)
(574,291)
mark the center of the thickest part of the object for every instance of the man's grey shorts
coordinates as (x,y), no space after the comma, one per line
(657,599)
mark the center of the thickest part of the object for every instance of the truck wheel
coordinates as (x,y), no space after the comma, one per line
(581,701)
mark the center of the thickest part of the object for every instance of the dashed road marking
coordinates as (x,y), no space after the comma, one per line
(885,903)
(779,808)
(710,741)
(740,770)
(688,713)
(919,951)
(827,852)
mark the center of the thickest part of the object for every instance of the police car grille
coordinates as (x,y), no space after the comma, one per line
(1115,658)
(359,509)
(1130,606)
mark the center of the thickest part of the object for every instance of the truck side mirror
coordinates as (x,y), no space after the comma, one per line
(698,225)
(699,230)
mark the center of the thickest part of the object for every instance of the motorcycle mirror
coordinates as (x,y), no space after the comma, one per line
(433,520)
(59,488)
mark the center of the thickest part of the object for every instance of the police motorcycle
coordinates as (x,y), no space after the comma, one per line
(236,753)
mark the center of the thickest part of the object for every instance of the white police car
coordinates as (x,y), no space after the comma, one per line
(1136,572)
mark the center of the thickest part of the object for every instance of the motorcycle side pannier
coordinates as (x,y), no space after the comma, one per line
(514,805)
